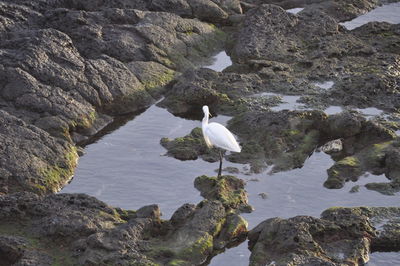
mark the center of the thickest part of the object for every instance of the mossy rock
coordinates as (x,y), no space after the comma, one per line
(227,189)
(190,147)
(55,176)
(346,169)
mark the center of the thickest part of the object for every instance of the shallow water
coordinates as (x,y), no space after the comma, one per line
(127,168)
(387,13)
(325,85)
(220,62)
(294,10)
(289,102)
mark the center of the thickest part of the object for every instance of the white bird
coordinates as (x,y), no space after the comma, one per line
(217,135)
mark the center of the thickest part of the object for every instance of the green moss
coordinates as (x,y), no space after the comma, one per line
(229,190)
(54,176)
(160,80)
(203,246)
(236,225)
(218,227)
(177,262)
(349,161)
(59,254)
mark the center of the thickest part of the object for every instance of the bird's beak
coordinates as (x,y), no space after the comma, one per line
(210,114)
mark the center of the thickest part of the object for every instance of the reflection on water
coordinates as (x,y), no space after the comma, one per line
(127,169)
(388,13)
(366,112)
(370,111)
(289,102)
(384,259)
(221,61)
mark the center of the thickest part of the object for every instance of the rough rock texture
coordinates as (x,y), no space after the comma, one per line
(287,138)
(66,66)
(190,147)
(317,47)
(379,158)
(227,189)
(31,159)
(305,240)
(342,236)
(76,229)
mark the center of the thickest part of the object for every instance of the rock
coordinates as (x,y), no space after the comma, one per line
(190,147)
(151,211)
(332,146)
(304,240)
(233,232)
(263,195)
(31,159)
(229,190)
(355,189)
(340,236)
(36,229)
(384,220)
(66,67)
(372,159)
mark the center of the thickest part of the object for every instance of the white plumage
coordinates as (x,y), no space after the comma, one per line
(220,136)
(217,135)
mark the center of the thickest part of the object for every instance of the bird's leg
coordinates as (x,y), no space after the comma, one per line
(220,163)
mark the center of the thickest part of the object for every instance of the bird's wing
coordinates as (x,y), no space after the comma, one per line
(207,140)
(221,137)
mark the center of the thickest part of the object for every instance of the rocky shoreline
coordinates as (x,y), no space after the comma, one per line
(69,68)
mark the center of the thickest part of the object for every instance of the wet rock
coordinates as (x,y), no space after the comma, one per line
(233,232)
(81,230)
(304,240)
(355,189)
(31,159)
(332,146)
(229,190)
(222,92)
(190,147)
(372,159)
(384,220)
(67,66)
(340,236)
(215,11)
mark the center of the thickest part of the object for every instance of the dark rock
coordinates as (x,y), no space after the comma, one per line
(305,240)
(182,214)
(151,211)
(31,159)
(190,147)
(384,220)
(76,229)
(66,66)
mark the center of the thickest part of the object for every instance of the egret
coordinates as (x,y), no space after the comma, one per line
(217,135)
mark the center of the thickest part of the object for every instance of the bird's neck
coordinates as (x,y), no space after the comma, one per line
(205,121)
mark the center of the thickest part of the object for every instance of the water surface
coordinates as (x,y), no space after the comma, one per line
(220,62)
(387,13)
